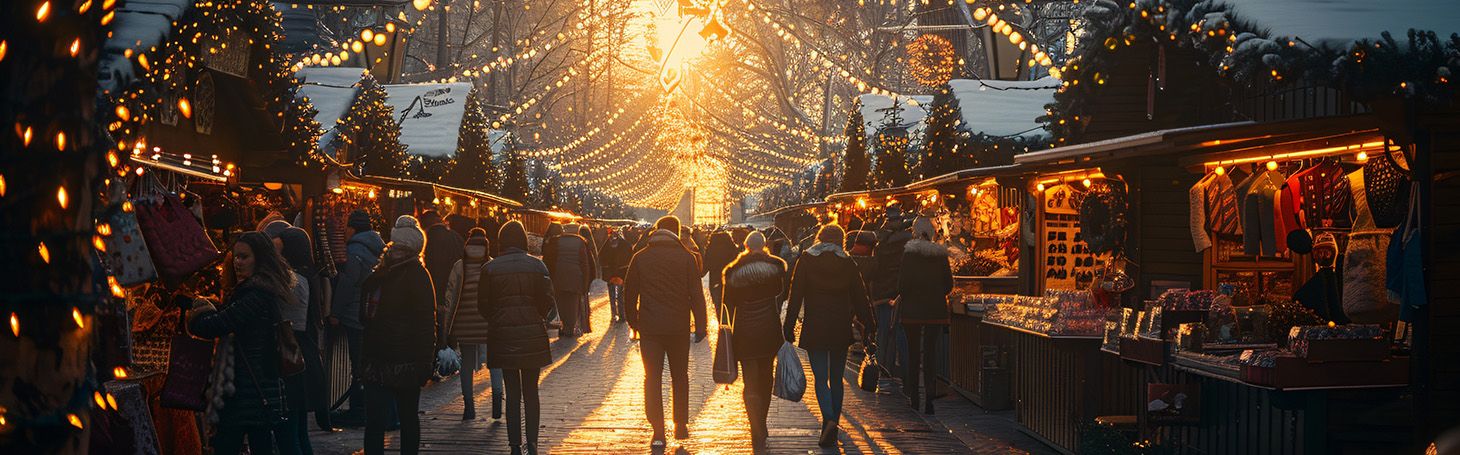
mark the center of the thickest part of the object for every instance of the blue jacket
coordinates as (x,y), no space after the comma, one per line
(362,253)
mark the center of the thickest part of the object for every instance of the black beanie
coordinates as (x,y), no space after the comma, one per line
(669,223)
(359,221)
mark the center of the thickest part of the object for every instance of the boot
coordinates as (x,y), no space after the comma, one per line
(681,431)
(322,418)
(516,450)
(829,432)
(469,412)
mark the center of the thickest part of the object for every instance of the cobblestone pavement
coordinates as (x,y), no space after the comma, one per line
(592,403)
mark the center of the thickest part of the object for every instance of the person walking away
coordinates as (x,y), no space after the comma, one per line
(861,245)
(891,242)
(826,283)
(465,326)
(443,249)
(549,252)
(585,313)
(615,263)
(923,287)
(514,295)
(662,292)
(753,281)
(304,390)
(718,255)
(362,253)
(571,267)
(400,335)
(255,409)
(686,239)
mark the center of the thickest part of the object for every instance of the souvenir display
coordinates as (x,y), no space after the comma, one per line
(1069,263)
(1066,313)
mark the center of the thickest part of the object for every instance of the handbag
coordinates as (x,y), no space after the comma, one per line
(869,375)
(176,240)
(189,366)
(725,370)
(126,249)
(291,355)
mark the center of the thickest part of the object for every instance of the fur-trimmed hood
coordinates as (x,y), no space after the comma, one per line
(922,247)
(827,247)
(753,269)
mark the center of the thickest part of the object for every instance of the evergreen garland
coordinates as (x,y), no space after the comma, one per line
(474,167)
(856,166)
(373,135)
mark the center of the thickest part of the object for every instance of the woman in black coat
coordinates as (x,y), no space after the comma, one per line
(255,408)
(515,295)
(718,254)
(400,338)
(826,282)
(925,280)
(752,282)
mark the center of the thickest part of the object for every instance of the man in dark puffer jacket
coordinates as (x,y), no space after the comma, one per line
(661,292)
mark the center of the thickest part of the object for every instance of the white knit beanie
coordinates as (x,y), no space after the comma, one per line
(407,233)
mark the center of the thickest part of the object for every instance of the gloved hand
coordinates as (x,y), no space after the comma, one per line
(699,336)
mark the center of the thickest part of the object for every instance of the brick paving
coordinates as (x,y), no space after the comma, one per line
(592,403)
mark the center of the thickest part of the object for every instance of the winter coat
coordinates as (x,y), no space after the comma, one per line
(888,256)
(752,282)
(443,248)
(570,263)
(825,281)
(662,290)
(924,284)
(362,253)
(400,340)
(515,295)
(466,324)
(615,258)
(249,315)
(719,254)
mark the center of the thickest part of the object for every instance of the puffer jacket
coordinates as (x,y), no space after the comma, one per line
(826,283)
(569,261)
(249,315)
(662,290)
(400,341)
(515,295)
(926,280)
(718,255)
(362,254)
(752,283)
(888,256)
(466,324)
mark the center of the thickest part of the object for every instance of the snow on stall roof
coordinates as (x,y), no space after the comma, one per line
(912,109)
(1003,108)
(429,116)
(331,91)
(1337,22)
(138,26)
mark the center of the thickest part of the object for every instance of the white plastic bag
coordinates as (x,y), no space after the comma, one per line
(448,362)
(790,378)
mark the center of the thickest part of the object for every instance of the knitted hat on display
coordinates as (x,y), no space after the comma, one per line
(359,221)
(407,233)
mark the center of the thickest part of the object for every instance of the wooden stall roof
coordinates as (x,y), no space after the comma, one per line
(417,185)
(1223,138)
(930,183)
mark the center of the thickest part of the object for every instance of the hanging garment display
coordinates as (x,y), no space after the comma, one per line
(1365,300)
(1197,213)
(1405,263)
(1386,187)
(176,240)
(1259,214)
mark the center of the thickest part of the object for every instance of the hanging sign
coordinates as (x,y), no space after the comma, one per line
(203,102)
(228,54)
(429,116)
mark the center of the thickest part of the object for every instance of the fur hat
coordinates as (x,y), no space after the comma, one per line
(359,221)
(407,233)
(755,241)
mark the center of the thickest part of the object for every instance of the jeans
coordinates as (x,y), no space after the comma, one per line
(568,309)
(922,356)
(615,301)
(378,406)
(759,376)
(261,440)
(356,339)
(470,360)
(827,369)
(886,337)
(297,396)
(654,349)
(522,392)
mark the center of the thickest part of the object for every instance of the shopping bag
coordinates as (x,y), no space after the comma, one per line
(790,378)
(175,238)
(867,378)
(725,370)
(448,362)
(189,367)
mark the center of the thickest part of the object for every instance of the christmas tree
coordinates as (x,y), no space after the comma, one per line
(514,183)
(474,168)
(429,169)
(892,141)
(544,191)
(941,151)
(372,133)
(854,158)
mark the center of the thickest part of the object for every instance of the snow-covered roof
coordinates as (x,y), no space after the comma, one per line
(1003,108)
(429,116)
(331,91)
(1342,21)
(139,25)
(911,109)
